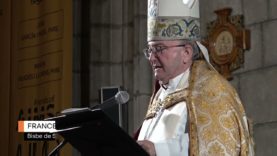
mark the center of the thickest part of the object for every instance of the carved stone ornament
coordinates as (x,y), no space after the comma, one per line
(227,40)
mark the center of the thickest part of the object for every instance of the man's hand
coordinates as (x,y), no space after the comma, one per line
(148,146)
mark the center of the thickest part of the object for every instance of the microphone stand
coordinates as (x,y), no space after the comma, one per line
(120,98)
(57,149)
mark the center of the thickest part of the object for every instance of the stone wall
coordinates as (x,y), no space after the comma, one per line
(117,35)
(143,75)
(256,82)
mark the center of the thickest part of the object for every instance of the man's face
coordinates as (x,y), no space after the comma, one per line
(171,61)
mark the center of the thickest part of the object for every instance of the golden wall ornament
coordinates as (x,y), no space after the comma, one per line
(227,40)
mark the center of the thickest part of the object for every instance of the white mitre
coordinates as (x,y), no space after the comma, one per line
(175,20)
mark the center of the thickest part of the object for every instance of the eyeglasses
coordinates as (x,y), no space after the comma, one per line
(157,49)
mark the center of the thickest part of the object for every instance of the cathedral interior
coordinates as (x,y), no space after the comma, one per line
(107,42)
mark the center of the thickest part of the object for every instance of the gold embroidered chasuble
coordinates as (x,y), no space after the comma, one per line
(217,121)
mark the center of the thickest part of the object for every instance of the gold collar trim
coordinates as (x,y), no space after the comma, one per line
(170,100)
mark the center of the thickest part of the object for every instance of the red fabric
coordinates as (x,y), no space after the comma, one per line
(156,87)
(136,134)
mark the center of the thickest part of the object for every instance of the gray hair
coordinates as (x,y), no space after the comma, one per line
(196,51)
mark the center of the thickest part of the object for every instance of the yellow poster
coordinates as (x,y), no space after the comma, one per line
(41,68)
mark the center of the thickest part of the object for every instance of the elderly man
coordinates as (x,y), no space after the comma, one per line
(193,111)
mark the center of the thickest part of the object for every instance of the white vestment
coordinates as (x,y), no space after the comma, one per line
(167,129)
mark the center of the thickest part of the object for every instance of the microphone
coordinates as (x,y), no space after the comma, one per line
(121,97)
(74,116)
